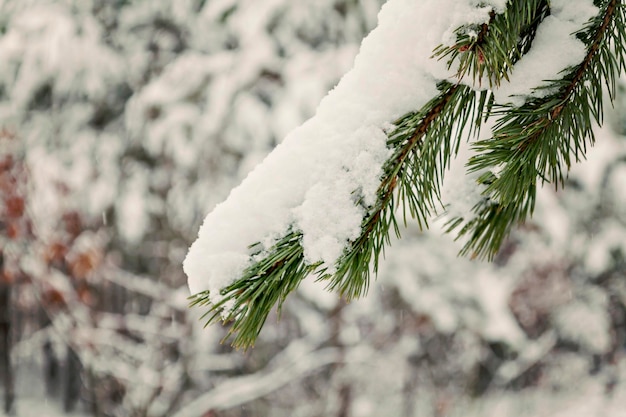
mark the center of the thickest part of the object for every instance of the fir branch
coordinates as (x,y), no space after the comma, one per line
(491,49)
(539,140)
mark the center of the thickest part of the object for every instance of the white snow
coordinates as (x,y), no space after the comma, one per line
(465,16)
(554,49)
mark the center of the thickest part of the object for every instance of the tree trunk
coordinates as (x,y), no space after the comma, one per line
(5,345)
(72,386)
(51,369)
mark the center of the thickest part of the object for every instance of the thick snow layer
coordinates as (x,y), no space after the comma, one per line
(309,181)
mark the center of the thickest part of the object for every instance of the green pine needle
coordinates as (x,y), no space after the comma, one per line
(539,141)
(491,49)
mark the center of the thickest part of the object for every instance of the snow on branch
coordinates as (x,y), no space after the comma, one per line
(307,183)
(325,200)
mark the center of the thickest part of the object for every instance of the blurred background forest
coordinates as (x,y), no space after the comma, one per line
(123,122)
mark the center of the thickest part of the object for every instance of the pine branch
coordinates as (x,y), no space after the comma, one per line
(267,282)
(491,49)
(538,141)
(423,143)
